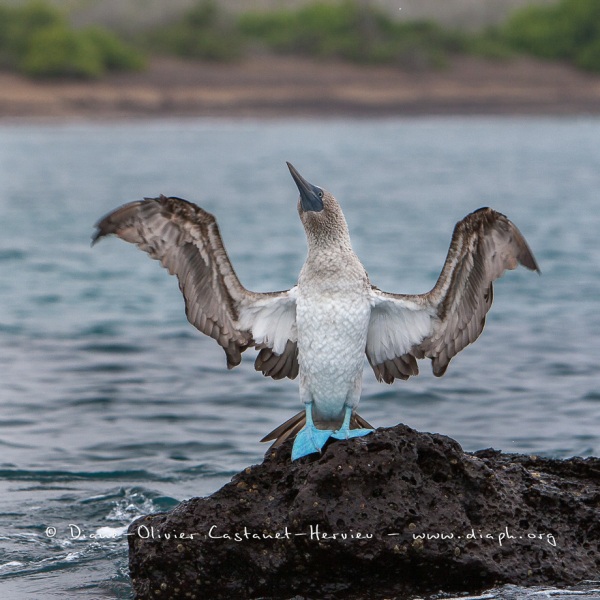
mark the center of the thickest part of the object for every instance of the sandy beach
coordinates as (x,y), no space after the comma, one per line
(275,86)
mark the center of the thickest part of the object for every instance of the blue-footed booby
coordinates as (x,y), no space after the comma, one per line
(321,328)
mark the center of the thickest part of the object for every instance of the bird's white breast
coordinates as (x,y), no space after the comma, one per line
(332,314)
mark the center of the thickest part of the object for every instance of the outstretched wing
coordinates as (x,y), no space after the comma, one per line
(187,242)
(440,323)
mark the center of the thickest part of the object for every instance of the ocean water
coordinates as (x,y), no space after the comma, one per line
(113,406)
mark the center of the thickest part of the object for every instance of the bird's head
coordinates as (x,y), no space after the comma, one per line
(319,212)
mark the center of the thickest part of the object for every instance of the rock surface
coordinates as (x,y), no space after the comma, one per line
(393,514)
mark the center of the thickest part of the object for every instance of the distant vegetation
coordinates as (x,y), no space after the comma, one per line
(343,29)
(38,40)
(351,31)
(204,32)
(568,31)
(347,29)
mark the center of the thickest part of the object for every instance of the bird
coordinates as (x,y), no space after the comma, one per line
(320,329)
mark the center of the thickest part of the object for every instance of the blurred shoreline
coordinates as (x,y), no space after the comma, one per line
(273,86)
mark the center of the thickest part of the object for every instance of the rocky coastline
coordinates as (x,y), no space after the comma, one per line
(268,86)
(398,513)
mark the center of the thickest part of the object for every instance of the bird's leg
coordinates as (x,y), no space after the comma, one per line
(309,438)
(347,416)
(344,432)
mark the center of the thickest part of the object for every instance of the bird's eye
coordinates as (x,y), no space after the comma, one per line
(320,193)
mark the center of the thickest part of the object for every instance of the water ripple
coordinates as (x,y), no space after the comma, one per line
(69,476)
(112,405)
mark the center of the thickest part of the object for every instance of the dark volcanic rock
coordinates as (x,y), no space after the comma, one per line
(410,512)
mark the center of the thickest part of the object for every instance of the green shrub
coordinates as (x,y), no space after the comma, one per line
(489,43)
(58,51)
(569,31)
(589,57)
(18,24)
(273,29)
(37,39)
(115,55)
(533,29)
(351,31)
(204,32)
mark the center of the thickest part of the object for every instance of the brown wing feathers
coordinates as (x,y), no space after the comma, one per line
(187,242)
(275,365)
(400,367)
(484,244)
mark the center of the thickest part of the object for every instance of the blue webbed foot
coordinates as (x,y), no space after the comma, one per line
(310,439)
(344,434)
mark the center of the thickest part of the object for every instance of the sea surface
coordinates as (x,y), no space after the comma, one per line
(112,406)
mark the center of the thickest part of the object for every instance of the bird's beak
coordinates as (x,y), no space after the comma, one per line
(311,196)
